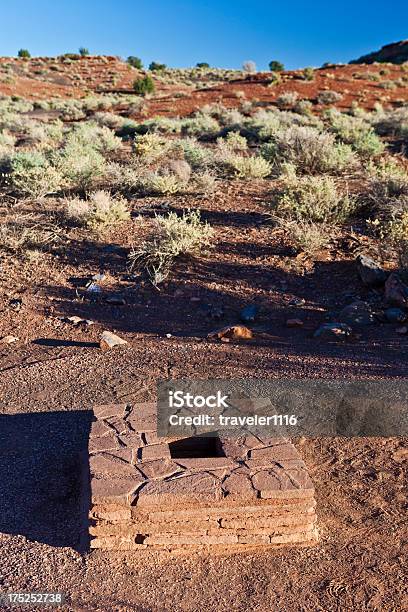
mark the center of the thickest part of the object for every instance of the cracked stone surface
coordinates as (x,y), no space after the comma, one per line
(146,493)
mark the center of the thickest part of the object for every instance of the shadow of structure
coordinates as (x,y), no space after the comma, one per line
(44,477)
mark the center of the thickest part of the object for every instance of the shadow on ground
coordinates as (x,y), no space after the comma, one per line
(44,476)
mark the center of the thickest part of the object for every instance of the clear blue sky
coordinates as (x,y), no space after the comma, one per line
(224,33)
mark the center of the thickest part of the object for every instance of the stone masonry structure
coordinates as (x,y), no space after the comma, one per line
(193,492)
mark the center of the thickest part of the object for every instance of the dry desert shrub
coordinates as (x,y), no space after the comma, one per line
(308,236)
(329,97)
(355,132)
(167,239)
(313,199)
(31,174)
(99,211)
(308,150)
(287,99)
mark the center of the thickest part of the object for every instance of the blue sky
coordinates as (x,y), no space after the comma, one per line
(224,33)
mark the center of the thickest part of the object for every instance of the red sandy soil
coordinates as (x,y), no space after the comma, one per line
(34,79)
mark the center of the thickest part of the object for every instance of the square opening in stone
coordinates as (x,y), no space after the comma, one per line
(198,446)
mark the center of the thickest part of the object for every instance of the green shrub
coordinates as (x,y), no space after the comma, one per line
(83,51)
(144,85)
(24,53)
(134,61)
(202,65)
(275,66)
(313,199)
(169,238)
(157,67)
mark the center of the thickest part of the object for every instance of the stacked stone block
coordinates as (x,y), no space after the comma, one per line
(146,492)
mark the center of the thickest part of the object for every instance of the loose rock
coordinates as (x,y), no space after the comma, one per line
(232,332)
(395,315)
(357,314)
(396,293)
(8,340)
(109,341)
(333,331)
(370,272)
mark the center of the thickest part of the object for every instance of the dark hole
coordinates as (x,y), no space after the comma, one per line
(139,539)
(198,446)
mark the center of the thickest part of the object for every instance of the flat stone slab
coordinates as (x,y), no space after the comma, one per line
(148,491)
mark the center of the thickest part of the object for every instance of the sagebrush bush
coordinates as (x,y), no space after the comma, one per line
(149,146)
(162,184)
(391,123)
(308,150)
(287,99)
(329,97)
(308,236)
(195,154)
(90,134)
(235,141)
(356,132)
(167,239)
(309,74)
(313,199)
(249,167)
(200,125)
(80,165)
(99,211)
(31,174)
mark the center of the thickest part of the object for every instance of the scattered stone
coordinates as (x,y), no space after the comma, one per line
(370,272)
(94,288)
(232,332)
(357,314)
(116,299)
(294,323)
(249,313)
(396,293)
(8,340)
(77,320)
(109,341)
(395,315)
(16,304)
(333,331)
